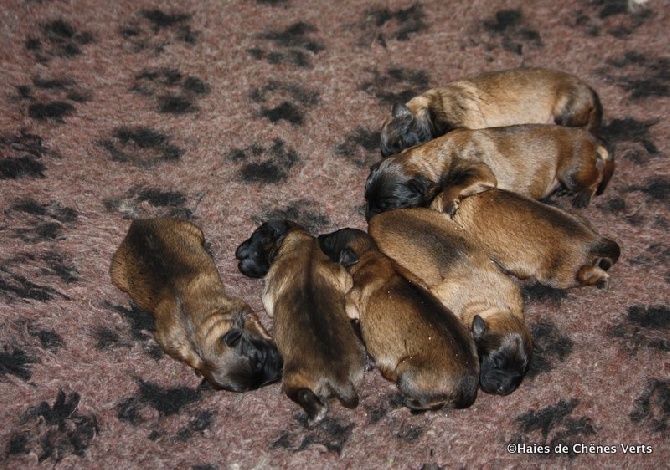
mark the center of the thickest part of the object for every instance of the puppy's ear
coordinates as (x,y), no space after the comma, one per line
(232,337)
(424,189)
(279,227)
(479,327)
(348,257)
(400,110)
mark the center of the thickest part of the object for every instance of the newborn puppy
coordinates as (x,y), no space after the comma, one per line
(304,292)
(416,342)
(492,99)
(530,239)
(530,159)
(163,265)
(458,272)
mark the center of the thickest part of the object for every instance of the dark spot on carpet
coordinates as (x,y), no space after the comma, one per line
(509,31)
(540,293)
(140,321)
(48,339)
(382,24)
(644,328)
(546,419)
(141,146)
(396,85)
(303,211)
(641,75)
(360,146)
(55,110)
(59,430)
(22,167)
(167,401)
(654,317)
(331,434)
(295,35)
(549,346)
(160,19)
(265,164)
(172,91)
(630,130)
(17,363)
(200,423)
(408,432)
(652,408)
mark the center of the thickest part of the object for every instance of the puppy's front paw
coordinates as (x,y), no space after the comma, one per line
(451,207)
(582,200)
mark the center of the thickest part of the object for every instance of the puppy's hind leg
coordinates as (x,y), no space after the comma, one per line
(593,276)
(466,179)
(582,175)
(316,409)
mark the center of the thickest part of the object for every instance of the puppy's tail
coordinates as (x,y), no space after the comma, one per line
(596,114)
(606,161)
(466,392)
(606,252)
(347,395)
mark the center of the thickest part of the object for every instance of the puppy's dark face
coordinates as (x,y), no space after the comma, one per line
(256,254)
(391,185)
(345,246)
(504,357)
(246,359)
(404,130)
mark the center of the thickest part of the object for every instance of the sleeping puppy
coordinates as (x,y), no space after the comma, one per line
(530,159)
(304,292)
(530,239)
(458,272)
(164,267)
(492,99)
(415,341)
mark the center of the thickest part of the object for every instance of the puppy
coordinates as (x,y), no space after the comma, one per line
(459,273)
(304,292)
(530,239)
(414,340)
(163,265)
(530,159)
(493,99)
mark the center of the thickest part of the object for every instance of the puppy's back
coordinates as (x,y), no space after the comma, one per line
(454,266)
(155,254)
(323,358)
(557,96)
(415,340)
(531,239)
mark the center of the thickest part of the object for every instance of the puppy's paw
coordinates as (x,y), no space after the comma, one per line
(315,408)
(581,200)
(451,207)
(593,276)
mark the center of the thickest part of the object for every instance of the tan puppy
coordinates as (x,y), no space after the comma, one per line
(530,159)
(533,240)
(304,292)
(163,265)
(415,341)
(460,274)
(492,99)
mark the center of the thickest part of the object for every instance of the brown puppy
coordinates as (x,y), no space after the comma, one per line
(460,274)
(530,239)
(530,159)
(304,292)
(492,99)
(415,341)
(163,265)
